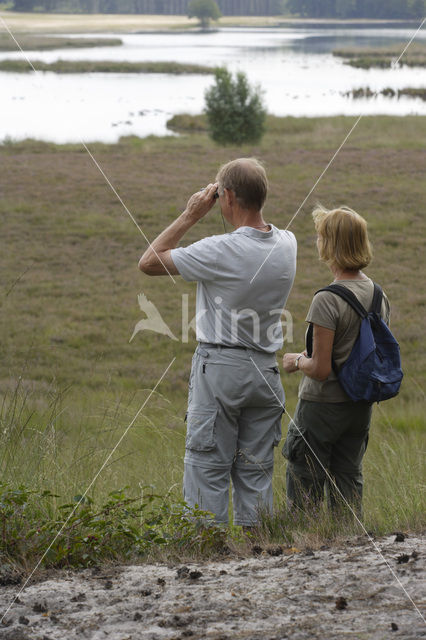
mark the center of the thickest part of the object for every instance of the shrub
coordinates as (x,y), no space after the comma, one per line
(234,109)
(204,10)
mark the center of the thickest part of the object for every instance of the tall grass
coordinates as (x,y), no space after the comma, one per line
(69,442)
(51,453)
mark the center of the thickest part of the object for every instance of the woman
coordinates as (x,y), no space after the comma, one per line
(329,430)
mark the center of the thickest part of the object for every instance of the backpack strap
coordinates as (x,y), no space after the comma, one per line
(352,300)
(376,306)
(349,297)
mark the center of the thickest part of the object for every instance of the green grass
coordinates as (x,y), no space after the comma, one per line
(70,381)
(30,42)
(103,66)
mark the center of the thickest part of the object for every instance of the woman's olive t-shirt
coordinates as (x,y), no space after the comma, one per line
(332,312)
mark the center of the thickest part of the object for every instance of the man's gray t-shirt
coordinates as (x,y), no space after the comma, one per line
(232,307)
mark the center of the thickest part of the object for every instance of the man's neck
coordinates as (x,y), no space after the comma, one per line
(254,219)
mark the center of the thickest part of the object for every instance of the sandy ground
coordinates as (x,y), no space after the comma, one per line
(344,592)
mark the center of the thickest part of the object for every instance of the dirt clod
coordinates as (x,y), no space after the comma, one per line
(275,551)
(23,620)
(40,607)
(182,572)
(399,537)
(16,634)
(8,576)
(256,550)
(394,626)
(194,575)
(403,558)
(341,603)
(80,597)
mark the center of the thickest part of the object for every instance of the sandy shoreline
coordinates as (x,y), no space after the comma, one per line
(295,595)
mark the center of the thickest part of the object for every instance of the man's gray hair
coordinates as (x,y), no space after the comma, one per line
(246,177)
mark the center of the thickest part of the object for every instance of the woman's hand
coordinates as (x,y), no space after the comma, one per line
(318,366)
(289,362)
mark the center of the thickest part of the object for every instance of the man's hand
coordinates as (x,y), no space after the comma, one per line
(157,259)
(201,202)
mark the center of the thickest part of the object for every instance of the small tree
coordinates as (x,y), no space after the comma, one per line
(235,110)
(204,10)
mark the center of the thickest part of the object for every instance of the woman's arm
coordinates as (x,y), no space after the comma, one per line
(319,365)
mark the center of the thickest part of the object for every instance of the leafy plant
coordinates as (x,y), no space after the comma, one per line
(81,533)
(234,109)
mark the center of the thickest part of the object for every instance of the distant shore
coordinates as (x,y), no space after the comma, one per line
(126,23)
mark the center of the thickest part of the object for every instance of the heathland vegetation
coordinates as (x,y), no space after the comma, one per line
(71,382)
(103,66)
(31,42)
(383,57)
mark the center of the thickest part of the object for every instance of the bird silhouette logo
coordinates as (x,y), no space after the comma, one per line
(153,320)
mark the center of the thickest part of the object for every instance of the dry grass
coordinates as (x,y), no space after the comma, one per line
(98,23)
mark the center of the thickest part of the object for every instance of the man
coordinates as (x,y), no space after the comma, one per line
(236,399)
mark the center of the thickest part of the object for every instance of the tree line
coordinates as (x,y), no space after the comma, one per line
(306,8)
(387,9)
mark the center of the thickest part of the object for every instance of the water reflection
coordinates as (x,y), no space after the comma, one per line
(295,67)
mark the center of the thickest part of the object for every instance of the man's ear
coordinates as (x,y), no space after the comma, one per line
(229,197)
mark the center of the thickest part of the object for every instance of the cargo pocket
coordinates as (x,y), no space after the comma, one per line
(294,446)
(201,432)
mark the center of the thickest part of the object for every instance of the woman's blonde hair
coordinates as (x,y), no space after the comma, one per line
(343,238)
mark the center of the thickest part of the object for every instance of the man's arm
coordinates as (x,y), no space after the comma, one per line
(157,260)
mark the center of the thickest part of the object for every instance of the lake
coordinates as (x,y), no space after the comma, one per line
(295,67)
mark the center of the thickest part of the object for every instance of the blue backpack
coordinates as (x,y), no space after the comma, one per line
(372,371)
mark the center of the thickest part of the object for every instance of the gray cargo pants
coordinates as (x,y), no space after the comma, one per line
(335,434)
(233,424)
